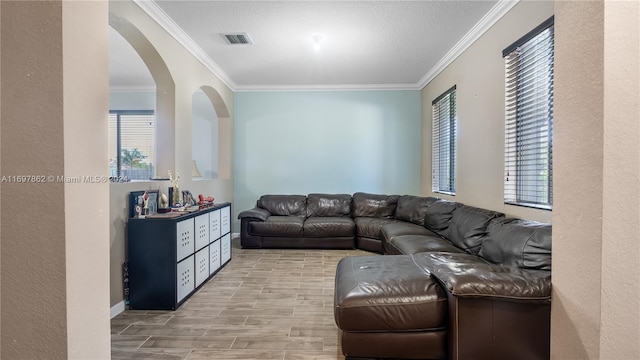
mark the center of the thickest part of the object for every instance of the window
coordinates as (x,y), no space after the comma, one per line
(444,143)
(528,177)
(132,144)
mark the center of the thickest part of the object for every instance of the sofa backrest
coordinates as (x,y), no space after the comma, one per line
(329,205)
(412,208)
(438,216)
(468,227)
(373,205)
(284,205)
(518,243)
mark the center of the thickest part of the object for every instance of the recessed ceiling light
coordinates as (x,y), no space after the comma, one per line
(316,42)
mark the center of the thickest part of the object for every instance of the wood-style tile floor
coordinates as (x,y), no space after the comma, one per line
(265,304)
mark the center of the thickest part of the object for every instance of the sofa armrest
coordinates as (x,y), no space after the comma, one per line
(256,213)
(466,275)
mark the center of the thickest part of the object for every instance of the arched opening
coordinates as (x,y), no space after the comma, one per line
(211,130)
(204,137)
(164,142)
(132,104)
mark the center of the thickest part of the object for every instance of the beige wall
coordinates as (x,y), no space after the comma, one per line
(86,154)
(621,206)
(167,58)
(596,216)
(478,74)
(596,258)
(54,234)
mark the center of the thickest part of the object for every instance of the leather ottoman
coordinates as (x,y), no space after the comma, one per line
(387,307)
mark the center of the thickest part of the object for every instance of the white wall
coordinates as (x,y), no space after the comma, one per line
(328,142)
(478,74)
(132,100)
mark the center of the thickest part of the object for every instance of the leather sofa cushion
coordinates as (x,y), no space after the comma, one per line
(387,293)
(284,205)
(413,244)
(403,228)
(328,205)
(255,213)
(282,226)
(438,216)
(329,227)
(468,227)
(372,205)
(413,208)
(369,227)
(466,275)
(521,243)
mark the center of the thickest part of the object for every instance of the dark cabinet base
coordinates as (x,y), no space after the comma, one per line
(170,258)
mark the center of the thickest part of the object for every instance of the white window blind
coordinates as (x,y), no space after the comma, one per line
(132,144)
(528,177)
(444,143)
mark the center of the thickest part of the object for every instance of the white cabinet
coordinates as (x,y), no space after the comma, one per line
(214,225)
(202,266)
(185,238)
(214,257)
(225,248)
(202,231)
(185,278)
(225,220)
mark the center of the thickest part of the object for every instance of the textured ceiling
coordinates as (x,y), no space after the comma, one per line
(365,44)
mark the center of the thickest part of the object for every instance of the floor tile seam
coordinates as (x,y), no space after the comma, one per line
(123,330)
(188,354)
(144,342)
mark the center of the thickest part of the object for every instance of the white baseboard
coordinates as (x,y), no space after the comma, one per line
(117,309)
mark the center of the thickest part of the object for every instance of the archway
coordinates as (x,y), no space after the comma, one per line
(165,92)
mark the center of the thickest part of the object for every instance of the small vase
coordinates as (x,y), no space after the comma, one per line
(176,195)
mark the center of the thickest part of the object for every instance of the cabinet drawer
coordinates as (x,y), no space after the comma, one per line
(185,279)
(225,248)
(214,225)
(202,231)
(225,220)
(184,239)
(214,257)
(202,266)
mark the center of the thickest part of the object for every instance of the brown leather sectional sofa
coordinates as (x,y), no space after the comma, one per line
(457,282)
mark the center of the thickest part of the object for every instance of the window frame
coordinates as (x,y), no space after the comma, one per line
(444,123)
(119,114)
(529,138)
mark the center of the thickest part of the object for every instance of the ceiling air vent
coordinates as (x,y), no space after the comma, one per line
(238,39)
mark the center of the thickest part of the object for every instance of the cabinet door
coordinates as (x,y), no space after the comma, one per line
(214,256)
(185,278)
(202,231)
(214,225)
(225,220)
(184,239)
(225,248)
(202,266)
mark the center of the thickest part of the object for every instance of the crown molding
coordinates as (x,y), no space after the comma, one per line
(160,16)
(482,26)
